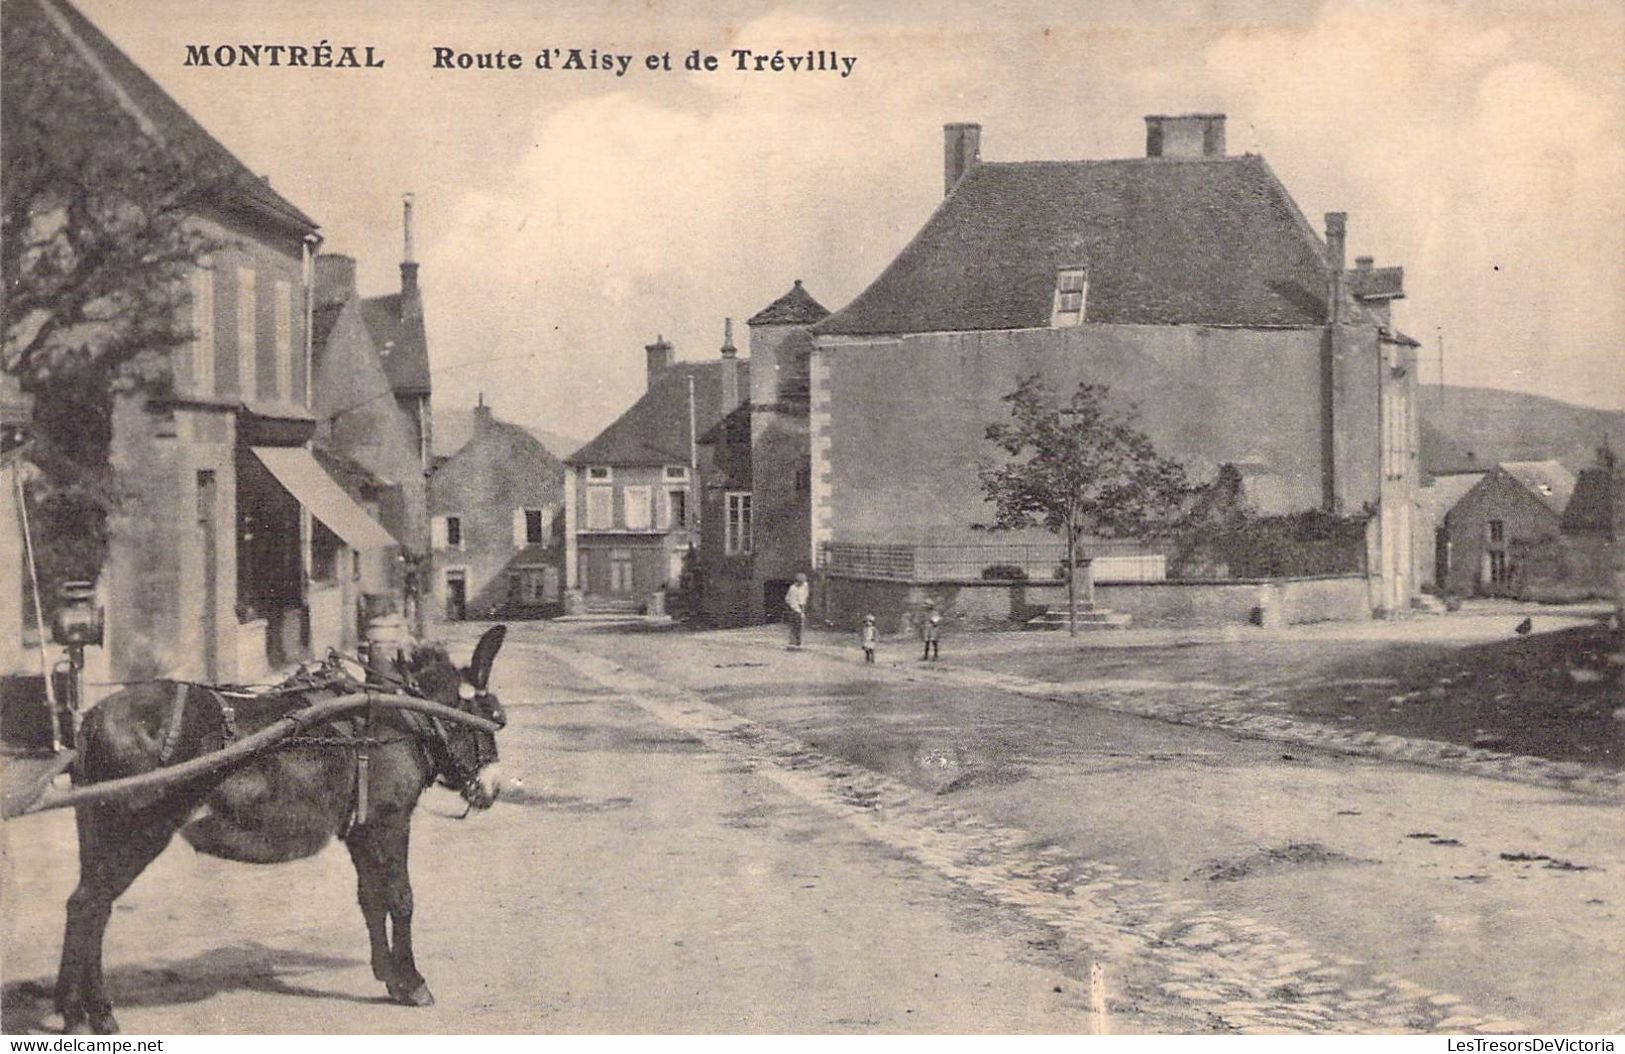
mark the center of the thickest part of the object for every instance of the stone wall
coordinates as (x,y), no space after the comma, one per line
(1003,605)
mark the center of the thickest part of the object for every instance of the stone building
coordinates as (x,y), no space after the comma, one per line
(632,509)
(1515,506)
(495,524)
(233,553)
(780,355)
(722,579)
(371,399)
(1188,281)
(1580,561)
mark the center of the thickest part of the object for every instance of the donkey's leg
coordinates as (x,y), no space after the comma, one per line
(114,848)
(372,894)
(380,851)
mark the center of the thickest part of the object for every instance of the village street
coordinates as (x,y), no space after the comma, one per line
(706,832)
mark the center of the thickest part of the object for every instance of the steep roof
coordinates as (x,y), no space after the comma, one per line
(1165,241)
(1547,480)
(518,438)
(1442,494)
(655,429)
(795,308)
(1591,506)
(161,115)
(402,344)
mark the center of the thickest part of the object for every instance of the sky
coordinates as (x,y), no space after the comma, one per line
(564,218)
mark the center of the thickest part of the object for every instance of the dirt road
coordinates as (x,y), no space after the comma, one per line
(714,834)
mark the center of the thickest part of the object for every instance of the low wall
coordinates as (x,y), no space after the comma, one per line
(1000,605)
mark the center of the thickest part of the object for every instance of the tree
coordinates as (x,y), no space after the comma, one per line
(97,237)
(1080,470)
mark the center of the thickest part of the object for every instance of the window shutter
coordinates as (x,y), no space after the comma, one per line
(519,528)
(437,531)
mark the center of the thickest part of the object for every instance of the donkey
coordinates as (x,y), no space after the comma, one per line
(282,805)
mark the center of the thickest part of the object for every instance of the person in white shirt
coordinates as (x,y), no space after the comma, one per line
(796,600)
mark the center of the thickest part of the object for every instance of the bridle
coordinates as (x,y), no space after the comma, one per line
(431,733)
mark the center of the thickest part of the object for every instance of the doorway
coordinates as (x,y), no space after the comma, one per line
(773,591)
(620,572)
(456,595)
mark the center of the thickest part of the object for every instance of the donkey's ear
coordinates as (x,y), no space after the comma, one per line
(485,653)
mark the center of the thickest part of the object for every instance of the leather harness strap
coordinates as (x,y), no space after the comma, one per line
(172,732)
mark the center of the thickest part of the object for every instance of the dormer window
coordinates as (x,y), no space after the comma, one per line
(1071,291)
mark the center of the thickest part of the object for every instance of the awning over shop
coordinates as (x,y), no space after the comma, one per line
(306,480)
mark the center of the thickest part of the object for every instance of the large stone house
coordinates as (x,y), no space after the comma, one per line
(632,514)
(1187,280)
(232,553)
(495,525)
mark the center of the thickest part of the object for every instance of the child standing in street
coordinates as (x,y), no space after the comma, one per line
(868,637)
(931,632)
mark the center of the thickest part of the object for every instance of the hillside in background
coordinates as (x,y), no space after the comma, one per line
(453,426)
(1463,430)
(1470,429)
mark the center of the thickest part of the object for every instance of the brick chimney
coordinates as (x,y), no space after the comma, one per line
(411,299)
(961,149)
(729,368)
(659,358)
(1185,135)
(335,279)
(482,416)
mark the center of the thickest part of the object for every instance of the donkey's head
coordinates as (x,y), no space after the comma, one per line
(466,758)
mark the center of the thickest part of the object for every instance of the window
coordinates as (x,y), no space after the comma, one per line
(1498,531)
(247,347)
(535,528)
(454,532)
(1070,284)
(637,510)
(803,480)
(600,473)
(203,331)
(736,539)
(1071,290)
(532,585)
(1500,567)
(676,471)
(600,508)
(284,340)
(676,509)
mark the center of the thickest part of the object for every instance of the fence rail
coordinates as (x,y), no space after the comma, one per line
(1112,561)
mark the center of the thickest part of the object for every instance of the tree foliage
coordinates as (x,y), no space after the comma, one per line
(1081,468)
(97,237)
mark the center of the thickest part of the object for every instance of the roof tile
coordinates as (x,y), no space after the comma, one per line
(1213,241)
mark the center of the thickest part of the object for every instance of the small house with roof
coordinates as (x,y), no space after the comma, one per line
(496,525)
(1187,281)
(1515,506)
(632,498)
(1581,562)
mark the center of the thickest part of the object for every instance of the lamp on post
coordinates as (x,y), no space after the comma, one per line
(76,624)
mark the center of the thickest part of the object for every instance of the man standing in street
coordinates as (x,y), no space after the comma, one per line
(796,601)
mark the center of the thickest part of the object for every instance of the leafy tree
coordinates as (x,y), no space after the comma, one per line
(1080,469)
(97,236)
